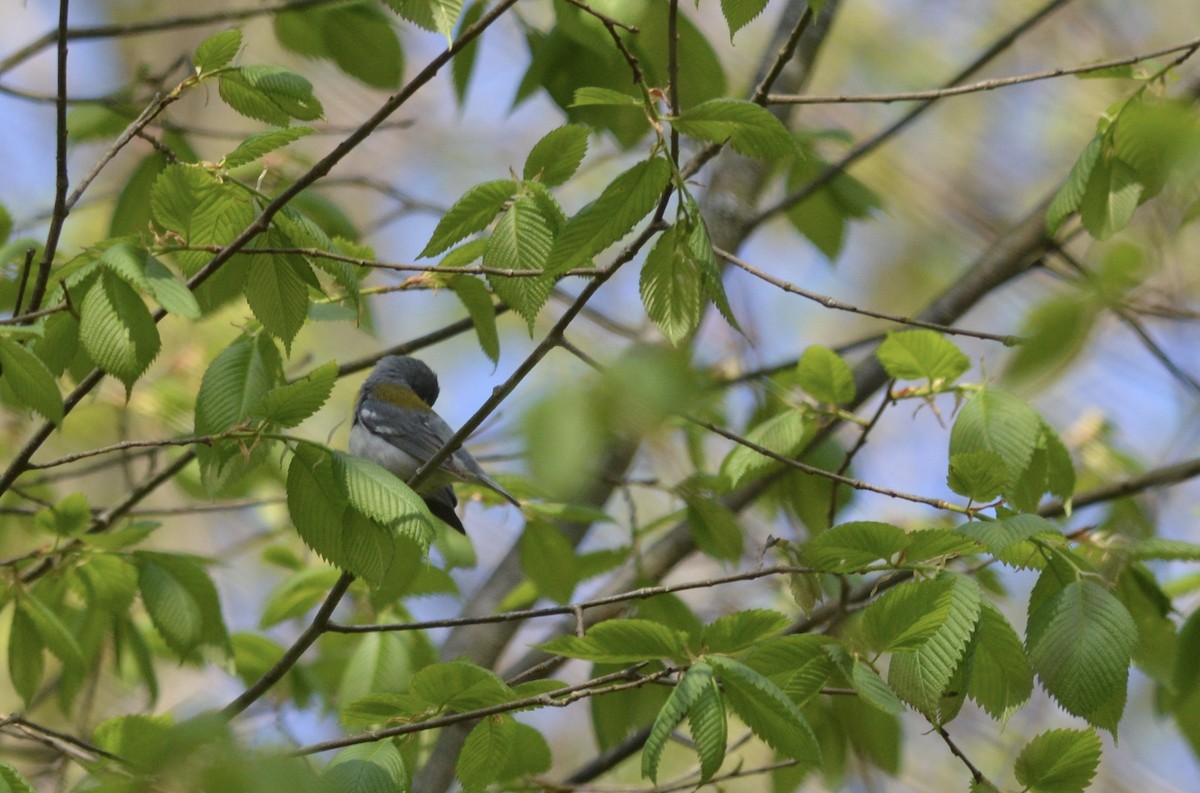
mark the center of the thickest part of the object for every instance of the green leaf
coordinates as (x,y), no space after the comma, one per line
(375,767)
(1069,197)
(522,240)
(823,374)
(998,422)
(298,594)
(852,546)
(117,330)
(361,40)
(269,93)
(998,535)
(373,491)
(217,50)
(67,518)
(277,291)
(169,291)
(907,616)
(798,664)
(31,382)
(751,129)
(182,602)
(460,685)
(236,382)
(715,528)
(706,720)
(464,62)
(1113,193)
(686,693)
(263,143)
(555,158)
(1059,761)
(628,199)
(766,710)
(478,302)
(784,434)
(11,780)
(739,13)
(1080,642)
(921,354)
(437,16)
(921,676)
(979,475)
(1055,332)
(193,203)
(999,678)
(548,559)
(735,632)
(1166,549)
(670,286)
(26,664)
(530,754)
(473,212)
(873,690)
(6,224)
(595,96)
(485,752)
(619,642)
(288,405)
(110,581)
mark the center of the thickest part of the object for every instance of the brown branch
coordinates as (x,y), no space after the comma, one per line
(976,774)
(59,741)
(574,608)
(982,85)
(207,440)
(829,302)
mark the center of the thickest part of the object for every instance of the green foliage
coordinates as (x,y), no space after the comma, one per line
(358,37)
(217,51)
(1059,761)
(921,354)
(624,641)
(749,128)
(825,376)
(270,94)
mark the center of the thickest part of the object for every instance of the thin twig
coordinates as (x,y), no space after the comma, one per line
(829,302)
(976,774)
(554,611)
(858,445)
(123,446)
(982,85)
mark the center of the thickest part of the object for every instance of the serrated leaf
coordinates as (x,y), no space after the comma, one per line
(735,632)
(624,202)
(263,143)
(619,642)
(979,475)
(26,664)
(182,602)
(117,330)
(377,494)
(926,545)
(269,93)
(1113,193)
(473,212)
(277,291)
(995,421)
(30,381)
(798,664)
(921,676)
(784,434)
(522,240)
(530,754)
(555,158)
(288,405)
(1069,197)
(670,286)
(464,62)
(191,202)
(460,685)
(751,129)
(595,96)
(168,291)
(715,528)
(475,297)
(1080,643)
(297,595)
(1059,761)
(706,720)
(873,689)
(825,376)
(53,632)
(766,710)
(998,535)
(907,616)
(485,752)
(739,13)
(1000,679)
(67,518)
(921,354)
(548,559)
(690,688)
(437,16)
(375,767)
(12,781)
(217,50)
(361,40)
(852,546)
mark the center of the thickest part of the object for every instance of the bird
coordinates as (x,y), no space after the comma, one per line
(395,426)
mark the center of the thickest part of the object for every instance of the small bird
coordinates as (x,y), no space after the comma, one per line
(395,426)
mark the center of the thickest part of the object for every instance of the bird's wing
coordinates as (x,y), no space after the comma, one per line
(418,434)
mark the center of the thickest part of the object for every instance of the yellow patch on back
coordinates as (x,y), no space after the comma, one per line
(400,396)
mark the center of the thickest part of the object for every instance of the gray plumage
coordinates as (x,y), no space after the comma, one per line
(395,426)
